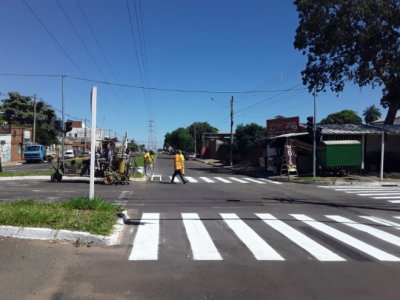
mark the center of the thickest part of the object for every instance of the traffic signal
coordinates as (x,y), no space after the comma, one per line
(68,126)
(58,125)
(310,124)
(318,133)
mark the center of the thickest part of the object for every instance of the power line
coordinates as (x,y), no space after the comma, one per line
(158,89)
(86,47)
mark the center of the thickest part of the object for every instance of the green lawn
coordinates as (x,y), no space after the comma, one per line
(79,214)
(25,173)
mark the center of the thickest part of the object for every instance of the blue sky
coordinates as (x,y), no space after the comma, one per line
(186,52)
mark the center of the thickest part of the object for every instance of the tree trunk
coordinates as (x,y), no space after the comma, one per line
(391,114)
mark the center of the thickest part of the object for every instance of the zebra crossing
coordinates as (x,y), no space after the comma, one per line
(292,230)
(389,193)
(215,179)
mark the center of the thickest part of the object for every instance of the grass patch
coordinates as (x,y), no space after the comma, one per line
(309,179)
(79,214)
(25,173)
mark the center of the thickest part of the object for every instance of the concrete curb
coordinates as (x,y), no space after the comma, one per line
(66,235)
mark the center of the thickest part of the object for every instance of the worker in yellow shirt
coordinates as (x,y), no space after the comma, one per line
(179,167)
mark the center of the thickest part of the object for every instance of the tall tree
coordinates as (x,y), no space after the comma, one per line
(199,128)
(19,110)
(342,117)
(247,135)
(179,139)
(371,113)
(356,41)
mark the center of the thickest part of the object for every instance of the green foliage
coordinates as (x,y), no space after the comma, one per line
(354,41)
(371,113)
(81,214)
(200,128)
(247,135)
(133,146)
(19,110)
(342,117)
(180,139)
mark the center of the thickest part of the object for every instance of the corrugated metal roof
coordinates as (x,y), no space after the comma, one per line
(351,129)
(390,129)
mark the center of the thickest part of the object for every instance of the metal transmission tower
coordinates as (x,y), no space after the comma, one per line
(151,141)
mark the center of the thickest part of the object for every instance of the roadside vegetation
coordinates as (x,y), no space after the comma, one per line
(78,214)
(25,173)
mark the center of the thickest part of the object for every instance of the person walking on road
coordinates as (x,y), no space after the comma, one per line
(148,162)
(179,167)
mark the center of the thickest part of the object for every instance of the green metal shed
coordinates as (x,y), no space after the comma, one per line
(340,154)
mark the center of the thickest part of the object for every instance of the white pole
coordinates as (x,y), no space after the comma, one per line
(93,101)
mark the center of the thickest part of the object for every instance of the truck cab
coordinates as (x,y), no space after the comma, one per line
(35,153)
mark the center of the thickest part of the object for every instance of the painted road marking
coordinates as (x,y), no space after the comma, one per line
(382,221)
(190,179)
(222,179)
(207,180)
(319,252)
(254,180)
(387,237)
(260,249)
(270,181)
(238,180)
(145,245)
(200,241)
(347,239)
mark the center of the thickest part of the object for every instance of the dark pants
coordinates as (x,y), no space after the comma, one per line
(179,172)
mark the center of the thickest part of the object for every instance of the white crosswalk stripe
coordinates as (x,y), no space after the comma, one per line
(320,252)
(382,221)
(175,179)
(238,180)
(191,179)
(208,180)
(387,237)
(145,246)
(219,179)
(259,247)
(269,181)
(254,180)
(390,193)
(347,239)
(223,180)
(147,242)
(202,245)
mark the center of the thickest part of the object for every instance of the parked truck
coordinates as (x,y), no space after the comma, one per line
(35,153)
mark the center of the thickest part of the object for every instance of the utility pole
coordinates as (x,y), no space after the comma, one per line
(195,141)
(314,137)
(231,154)
(34,119)
(63,123)
(85,134)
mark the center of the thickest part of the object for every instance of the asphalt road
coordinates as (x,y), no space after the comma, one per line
(232,238)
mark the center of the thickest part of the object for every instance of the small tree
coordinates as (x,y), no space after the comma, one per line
(371,113)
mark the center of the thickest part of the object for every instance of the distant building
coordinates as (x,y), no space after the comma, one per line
(380,121)
(13,139)
(79,138)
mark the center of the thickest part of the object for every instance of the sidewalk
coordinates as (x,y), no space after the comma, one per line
(389,178)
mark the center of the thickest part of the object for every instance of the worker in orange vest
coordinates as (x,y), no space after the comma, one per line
(179,167)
